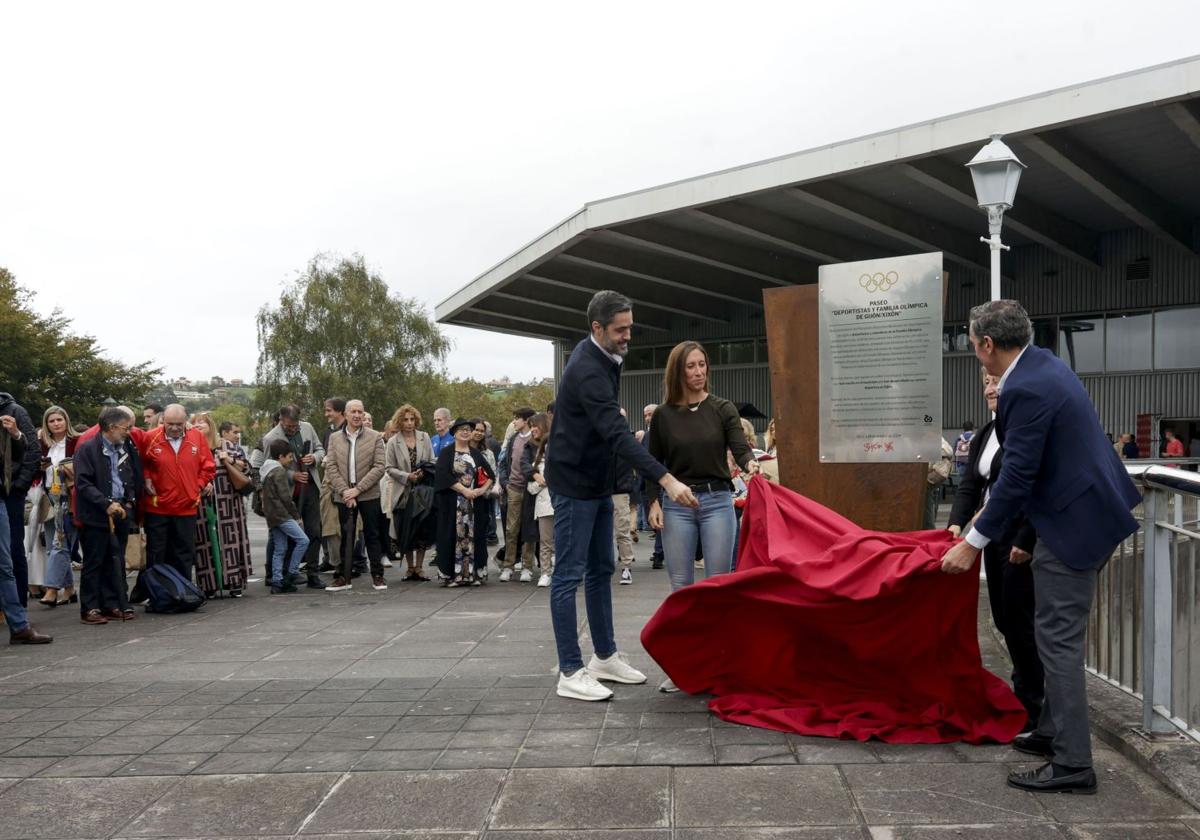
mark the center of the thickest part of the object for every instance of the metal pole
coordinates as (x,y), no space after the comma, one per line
(995,220)
(1156,615)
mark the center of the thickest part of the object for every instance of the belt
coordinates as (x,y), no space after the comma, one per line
(712,487)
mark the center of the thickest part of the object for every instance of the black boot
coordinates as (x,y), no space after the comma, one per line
(314,582)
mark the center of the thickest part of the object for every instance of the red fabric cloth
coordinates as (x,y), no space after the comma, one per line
(829,629)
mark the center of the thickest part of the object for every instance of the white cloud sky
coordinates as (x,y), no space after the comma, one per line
(164,168)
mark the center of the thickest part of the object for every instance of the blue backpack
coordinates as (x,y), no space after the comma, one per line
(169,591)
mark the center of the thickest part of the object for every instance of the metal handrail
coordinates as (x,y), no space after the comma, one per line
(1163,488)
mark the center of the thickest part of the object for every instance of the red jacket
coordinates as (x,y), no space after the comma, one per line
(177,479)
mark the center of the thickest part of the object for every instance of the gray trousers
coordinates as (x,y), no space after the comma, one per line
(1063,601)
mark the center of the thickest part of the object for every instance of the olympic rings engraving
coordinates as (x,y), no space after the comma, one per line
(879,281)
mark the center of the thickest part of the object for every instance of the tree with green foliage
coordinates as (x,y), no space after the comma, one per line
(339,331)
(42,363)
(468,398)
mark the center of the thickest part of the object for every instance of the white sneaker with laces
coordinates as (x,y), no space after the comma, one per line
(519,565)
(387,564)
(668,686)
(615,669)
(544,581)
(626,577)
(526,576)
(581,686)
(505,575)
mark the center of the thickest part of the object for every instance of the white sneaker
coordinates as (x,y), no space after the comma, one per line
(699,564)
(526,576)
(505,575)
(544,581)
(581,686)
(387,564)
(615,669)
(626,577)
(668,686)
(519,565)
(458,568)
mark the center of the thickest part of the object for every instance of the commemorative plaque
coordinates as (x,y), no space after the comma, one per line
(880,345)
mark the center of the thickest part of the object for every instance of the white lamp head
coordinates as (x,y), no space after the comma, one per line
(995,171)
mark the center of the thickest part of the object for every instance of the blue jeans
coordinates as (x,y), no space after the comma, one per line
(58,565)
(289,530)
(10,600)
(583,543)
(713,526)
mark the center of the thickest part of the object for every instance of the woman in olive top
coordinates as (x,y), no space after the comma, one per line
(690,434)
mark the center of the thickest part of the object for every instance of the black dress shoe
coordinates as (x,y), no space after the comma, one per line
(314,582)
(1052,778)
(1034,744)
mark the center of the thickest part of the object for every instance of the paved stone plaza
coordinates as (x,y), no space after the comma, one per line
(430,713)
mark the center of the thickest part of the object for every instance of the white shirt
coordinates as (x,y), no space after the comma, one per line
(990,447)
(58,451)
(975,538)
(175,443)
(352,469)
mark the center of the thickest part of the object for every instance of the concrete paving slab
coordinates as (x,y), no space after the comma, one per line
(208,806)
(1126,794)
(394,801)
(227,763)
(397,760)
(923,793)
(797,833)
(166,764)
(33,809)
(85,766)
(761,796)
(585,798)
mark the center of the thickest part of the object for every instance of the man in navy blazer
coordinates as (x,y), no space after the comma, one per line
(1060,470)
(588,436)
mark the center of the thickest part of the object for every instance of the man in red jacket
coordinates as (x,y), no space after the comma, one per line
(179,469)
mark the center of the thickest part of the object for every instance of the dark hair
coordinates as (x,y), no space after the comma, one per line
(155,407)
(278,449)
(1005,322)
(227,426)
(111,416)
(524,413)
(605,306)
(968,426)
(550,407)
(289,412)
(478,421)
(338,404)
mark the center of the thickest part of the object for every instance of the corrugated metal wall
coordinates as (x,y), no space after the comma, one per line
(1046,284)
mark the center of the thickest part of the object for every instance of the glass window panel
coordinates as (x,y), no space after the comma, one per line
(1128,344)
(1081,343)
(736,353)
(1177,338)
(1045,333)
(639,358)
(954,339)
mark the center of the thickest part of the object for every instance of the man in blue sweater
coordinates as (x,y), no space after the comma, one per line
(586,439)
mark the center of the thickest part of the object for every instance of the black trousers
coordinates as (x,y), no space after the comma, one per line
(171,539)
(15,504)
(102,581)
(1010,593)
(366,518)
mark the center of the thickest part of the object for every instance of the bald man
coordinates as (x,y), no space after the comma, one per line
(179,470)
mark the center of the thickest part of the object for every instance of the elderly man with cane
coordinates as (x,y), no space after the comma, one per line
(354,464)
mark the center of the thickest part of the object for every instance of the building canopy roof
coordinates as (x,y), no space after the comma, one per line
(1120,152)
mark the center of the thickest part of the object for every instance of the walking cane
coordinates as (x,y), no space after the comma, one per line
(353,539)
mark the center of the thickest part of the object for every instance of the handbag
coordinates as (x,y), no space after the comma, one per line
(135,552)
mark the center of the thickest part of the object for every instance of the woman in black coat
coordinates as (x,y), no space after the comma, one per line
(1006,562)
(462,476)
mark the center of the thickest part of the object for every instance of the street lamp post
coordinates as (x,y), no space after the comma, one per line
(995,171)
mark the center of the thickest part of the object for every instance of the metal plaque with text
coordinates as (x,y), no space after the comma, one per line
(880,339)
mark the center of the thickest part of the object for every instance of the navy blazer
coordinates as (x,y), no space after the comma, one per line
(1059,467)
(589,432)
(93,481)
(970,494)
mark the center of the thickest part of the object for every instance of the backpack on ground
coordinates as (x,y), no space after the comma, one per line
(169,591)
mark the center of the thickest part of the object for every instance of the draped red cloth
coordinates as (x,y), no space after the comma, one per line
(830,629)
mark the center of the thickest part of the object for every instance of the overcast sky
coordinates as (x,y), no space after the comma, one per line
(167,168)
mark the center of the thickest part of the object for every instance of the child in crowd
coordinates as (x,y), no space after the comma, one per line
(282,515)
